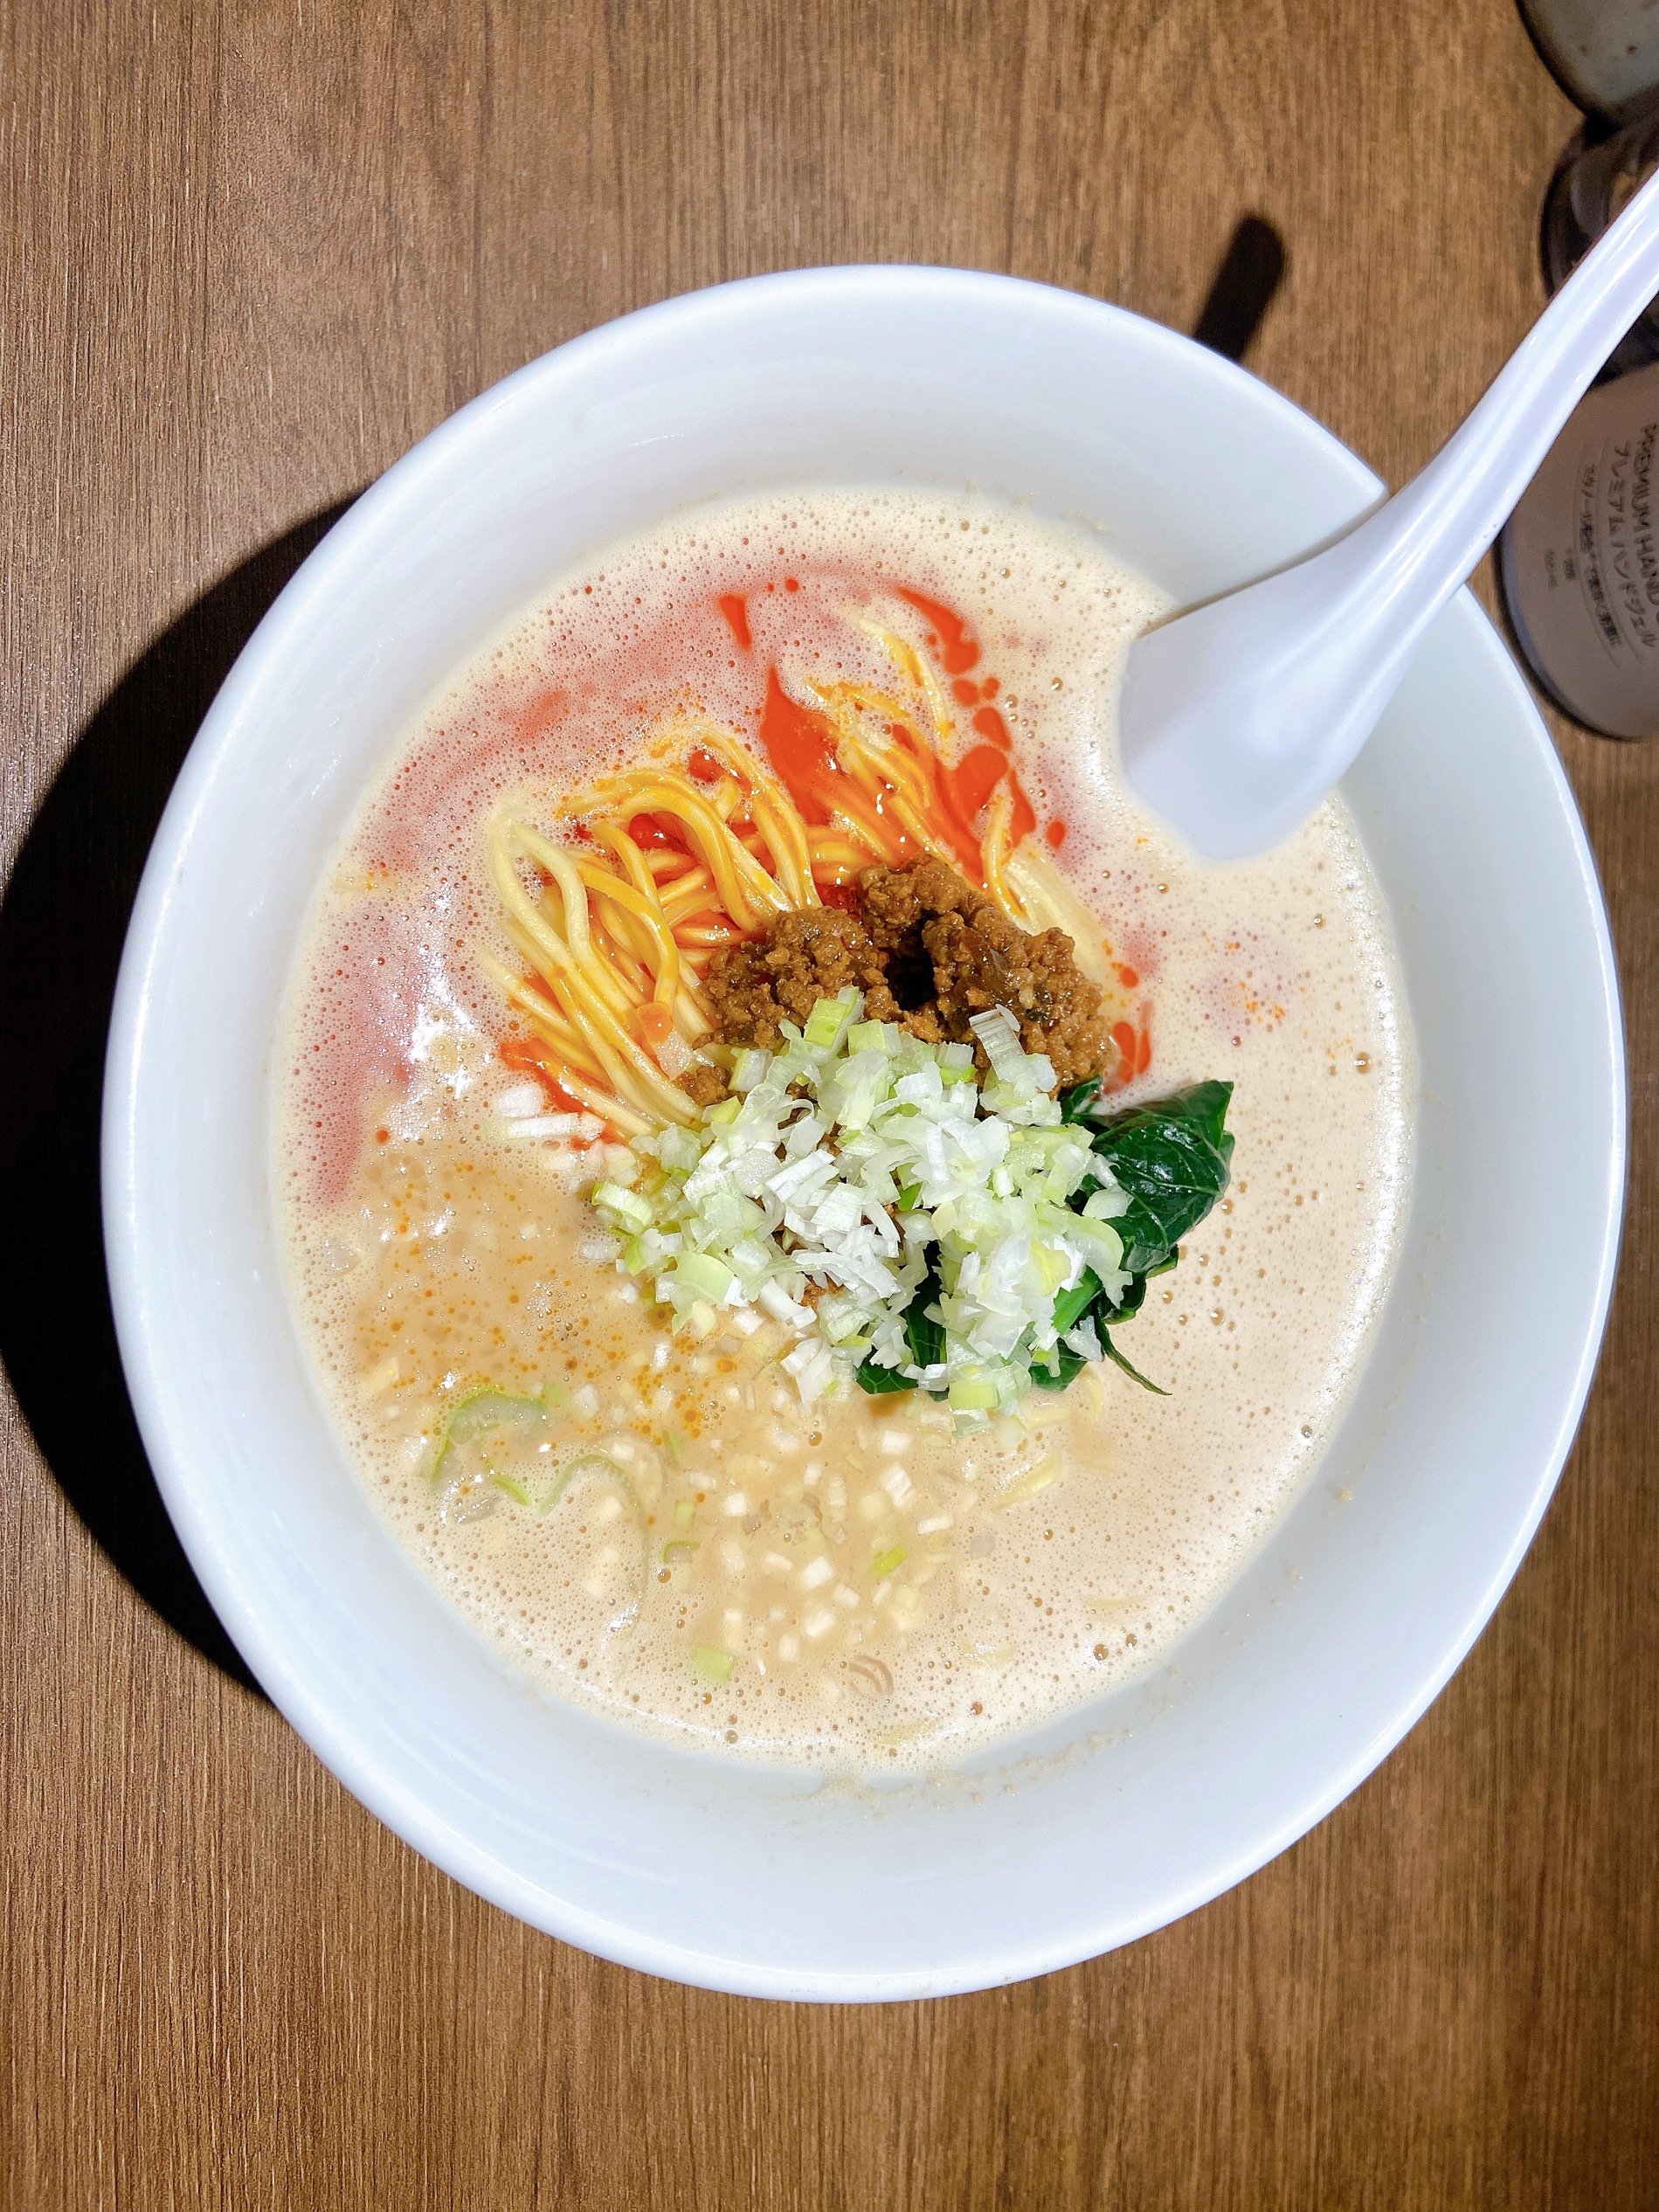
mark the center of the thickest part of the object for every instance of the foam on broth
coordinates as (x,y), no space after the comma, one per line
(1041,1562)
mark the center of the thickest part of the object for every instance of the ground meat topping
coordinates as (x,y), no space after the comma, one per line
(928,951)
(703,1083)
(895,902)
(809,953)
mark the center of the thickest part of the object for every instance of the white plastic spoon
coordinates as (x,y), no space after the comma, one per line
(1236,719)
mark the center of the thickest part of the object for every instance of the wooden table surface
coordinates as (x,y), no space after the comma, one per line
(251,251)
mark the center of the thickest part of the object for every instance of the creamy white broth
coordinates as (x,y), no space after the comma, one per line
(850,1581)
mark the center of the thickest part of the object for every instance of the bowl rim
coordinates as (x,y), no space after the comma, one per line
(259,1638)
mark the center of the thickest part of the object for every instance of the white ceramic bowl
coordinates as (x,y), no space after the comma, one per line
(1348,1619)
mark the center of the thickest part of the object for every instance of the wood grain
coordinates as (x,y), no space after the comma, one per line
(251,252)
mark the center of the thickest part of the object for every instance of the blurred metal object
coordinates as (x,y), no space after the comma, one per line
(1579,557)
(1590,191)
(1603,54)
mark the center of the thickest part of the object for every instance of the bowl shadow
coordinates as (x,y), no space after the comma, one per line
(62,925)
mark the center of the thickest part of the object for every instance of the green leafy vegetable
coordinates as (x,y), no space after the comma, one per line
(1069,1364)
(1171,1158)
(1131,1302)
(925,1335)
(877,1379)
(1075,1103)
(1071,1305)
(1134,1373)
(922,1334)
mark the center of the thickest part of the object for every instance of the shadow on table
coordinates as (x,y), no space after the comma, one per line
(61,929)
(1251,272)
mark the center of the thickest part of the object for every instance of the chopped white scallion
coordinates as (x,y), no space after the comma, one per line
(520,1101)
(897,1484)
(523,1127)
(845,1165)
(376,1381)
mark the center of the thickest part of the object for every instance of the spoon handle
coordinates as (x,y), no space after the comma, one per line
(1237,717)
(1434,531)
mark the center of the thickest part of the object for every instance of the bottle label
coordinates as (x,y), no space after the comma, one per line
(1580,561)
